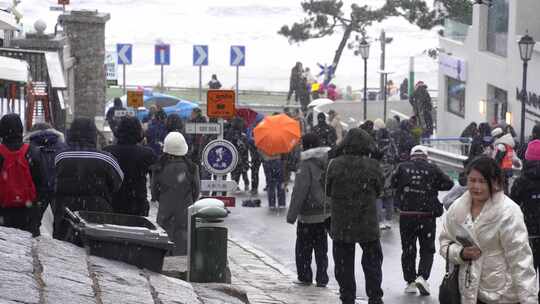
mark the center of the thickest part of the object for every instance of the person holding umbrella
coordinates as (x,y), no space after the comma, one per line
(276,135)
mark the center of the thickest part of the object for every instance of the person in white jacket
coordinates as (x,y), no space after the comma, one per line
(488,239)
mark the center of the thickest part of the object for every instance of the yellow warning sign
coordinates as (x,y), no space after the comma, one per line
(135,99)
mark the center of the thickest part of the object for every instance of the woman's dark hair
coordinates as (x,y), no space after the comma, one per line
(174,123)
(488,168)
(129,131)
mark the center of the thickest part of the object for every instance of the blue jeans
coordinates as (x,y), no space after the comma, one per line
(388,204)
(273,170)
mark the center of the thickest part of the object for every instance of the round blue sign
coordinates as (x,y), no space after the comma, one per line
(220,157)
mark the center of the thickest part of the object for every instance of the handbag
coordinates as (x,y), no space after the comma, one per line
(449,289)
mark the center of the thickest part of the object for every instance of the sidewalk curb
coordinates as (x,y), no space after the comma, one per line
(263,257)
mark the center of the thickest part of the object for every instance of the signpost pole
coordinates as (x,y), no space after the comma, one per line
(124,77)
(162,85)
(220,136)
(200,83)
(237,79)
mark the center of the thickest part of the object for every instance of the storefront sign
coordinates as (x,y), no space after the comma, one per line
(453,67)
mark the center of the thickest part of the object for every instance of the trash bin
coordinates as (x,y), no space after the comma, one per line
(131,239)
(207,243)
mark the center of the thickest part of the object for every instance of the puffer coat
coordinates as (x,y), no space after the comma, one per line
(504,273)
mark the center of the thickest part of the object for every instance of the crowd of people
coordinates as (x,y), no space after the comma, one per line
(347,184)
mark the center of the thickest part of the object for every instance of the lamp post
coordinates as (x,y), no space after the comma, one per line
(362,49)
(526,47)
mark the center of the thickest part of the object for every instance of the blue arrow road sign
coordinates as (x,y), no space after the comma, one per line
(200,55)
(162,54)
(238,55)
(124,53)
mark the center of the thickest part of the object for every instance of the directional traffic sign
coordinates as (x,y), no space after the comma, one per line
(238,55)
(220,157)
(203,128)
(200,55)
(162,54)
(125,52)
(218,185)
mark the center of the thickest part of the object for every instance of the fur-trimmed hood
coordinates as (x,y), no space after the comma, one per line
(41,137)
(319,153)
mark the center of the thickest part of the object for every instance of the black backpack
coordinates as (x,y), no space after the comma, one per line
(47,155)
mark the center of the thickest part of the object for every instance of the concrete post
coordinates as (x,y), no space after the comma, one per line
(86,34)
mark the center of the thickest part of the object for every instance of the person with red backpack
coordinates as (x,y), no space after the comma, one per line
(504,154)
(19,175)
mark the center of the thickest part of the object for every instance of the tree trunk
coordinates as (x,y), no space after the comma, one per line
(339,51)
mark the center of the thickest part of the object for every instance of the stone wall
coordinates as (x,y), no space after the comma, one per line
(86,34)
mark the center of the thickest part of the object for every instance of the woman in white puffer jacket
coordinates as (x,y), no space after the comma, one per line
(488,239)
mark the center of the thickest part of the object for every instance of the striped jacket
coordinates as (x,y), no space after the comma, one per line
(86,180)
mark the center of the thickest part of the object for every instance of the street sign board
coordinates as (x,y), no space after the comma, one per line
(200,55)
(122,113)
(135,99)
(218,185)
(162,54)
(203,128)
(228,201)
(220,104)
(111,68)
(124,52)
(238,55)
(220,157)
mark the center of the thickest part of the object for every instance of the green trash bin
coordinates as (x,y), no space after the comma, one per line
(207,252)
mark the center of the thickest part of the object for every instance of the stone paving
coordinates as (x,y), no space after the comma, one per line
(268,282)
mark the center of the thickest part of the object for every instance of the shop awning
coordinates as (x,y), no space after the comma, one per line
(13,69)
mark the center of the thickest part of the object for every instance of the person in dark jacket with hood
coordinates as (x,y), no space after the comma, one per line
(156,132)
(466,137)
(526,193)
(86,178)
(309,206)
(214,83)
(404,140)
(423,108)
(327,134)
(113,117)
(49,142)
(295,82)
(135,161)
(353,183)
(417,184)
(24,218)
(238,138)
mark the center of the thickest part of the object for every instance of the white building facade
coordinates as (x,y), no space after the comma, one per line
(481,71)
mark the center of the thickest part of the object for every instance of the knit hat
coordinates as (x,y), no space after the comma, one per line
(11,128)
(496,132)
(533,150)
(175,144)
(310,141)
(378,124)
(419,150)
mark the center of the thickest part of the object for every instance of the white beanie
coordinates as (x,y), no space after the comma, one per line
(378,124)
(175,144)
(419,150)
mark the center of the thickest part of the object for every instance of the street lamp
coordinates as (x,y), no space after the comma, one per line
(362,49)
(526,47)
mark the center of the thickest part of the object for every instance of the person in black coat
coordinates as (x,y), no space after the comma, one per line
(469,132)
(24,218)
(327,134)
(353,183)
(481,141)
(235,134)
(135,161)
(526,193)
(86,178)
(174,123)
(417,184)
(112,117)
(49,142)
(295,81)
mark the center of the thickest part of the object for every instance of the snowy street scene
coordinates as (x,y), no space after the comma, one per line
(269,152)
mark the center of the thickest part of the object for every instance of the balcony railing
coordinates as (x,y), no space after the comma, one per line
(455,30)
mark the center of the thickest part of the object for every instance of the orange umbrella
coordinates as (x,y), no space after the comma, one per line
(277,134)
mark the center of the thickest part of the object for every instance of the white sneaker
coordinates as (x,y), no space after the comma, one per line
(387,225)
(423,286)
(411,288)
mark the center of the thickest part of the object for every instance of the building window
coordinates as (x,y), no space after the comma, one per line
(497,33)
(455,96)
(497,105)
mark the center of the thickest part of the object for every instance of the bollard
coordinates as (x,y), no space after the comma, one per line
(207,242)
